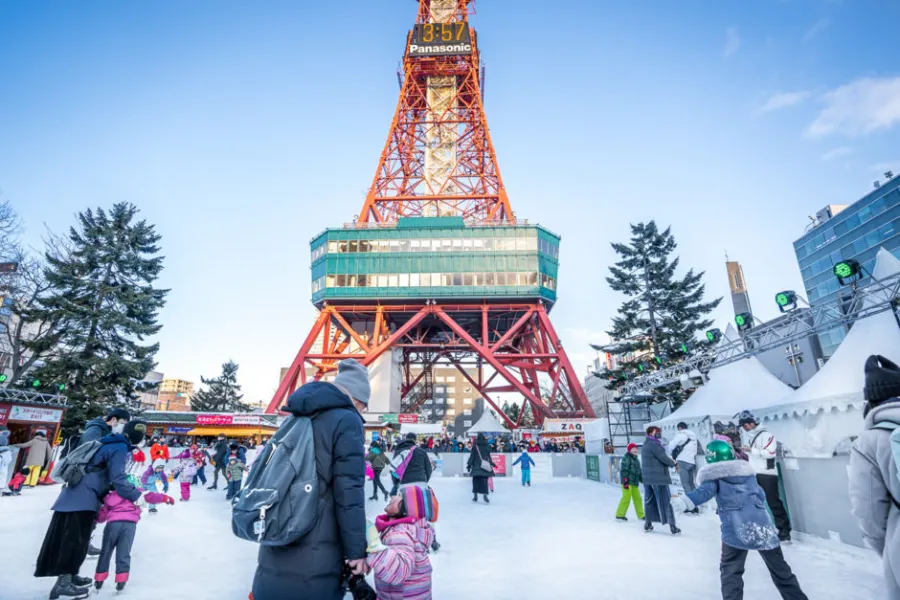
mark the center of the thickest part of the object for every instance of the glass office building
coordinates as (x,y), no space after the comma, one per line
(856,231)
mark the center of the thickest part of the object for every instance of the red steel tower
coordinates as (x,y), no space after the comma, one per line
(437,269)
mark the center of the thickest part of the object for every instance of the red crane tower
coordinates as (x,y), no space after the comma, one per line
(436,270)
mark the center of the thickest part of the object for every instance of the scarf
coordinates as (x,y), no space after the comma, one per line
(382,522)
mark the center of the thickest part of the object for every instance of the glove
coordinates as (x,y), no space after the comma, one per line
(169,500)
(625,483)
(373,538)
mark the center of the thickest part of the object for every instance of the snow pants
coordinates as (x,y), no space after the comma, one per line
(687,472)
(118,536)
(33,476)
(731,569)
(376,483)
(233,488)
(201,476)
(631,494)
(185,490)
(769,484)
(526,477)
(216,469)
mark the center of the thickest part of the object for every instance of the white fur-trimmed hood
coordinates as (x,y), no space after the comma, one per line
(726,468)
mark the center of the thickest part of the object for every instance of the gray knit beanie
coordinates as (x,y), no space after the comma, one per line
(354,379)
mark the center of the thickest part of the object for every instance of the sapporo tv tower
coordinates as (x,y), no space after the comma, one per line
(436,270)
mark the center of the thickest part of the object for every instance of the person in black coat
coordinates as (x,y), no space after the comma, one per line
(655,464)
(481,451)
(75,510)
(419,468)
(220,454)
(311,567)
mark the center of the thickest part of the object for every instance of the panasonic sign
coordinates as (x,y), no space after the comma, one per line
(439,50)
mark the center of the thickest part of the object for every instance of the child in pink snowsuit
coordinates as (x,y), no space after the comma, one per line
(398,545)
(186,471)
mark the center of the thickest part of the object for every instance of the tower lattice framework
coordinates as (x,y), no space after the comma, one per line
(439,161)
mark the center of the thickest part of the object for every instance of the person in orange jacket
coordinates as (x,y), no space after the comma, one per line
(159,450)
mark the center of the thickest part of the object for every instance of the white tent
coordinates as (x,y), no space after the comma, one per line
(488,423)
(827,409)
(730,389)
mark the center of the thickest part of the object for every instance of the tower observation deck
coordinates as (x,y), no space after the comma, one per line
(437,269)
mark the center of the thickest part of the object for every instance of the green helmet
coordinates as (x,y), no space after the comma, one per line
(717,451)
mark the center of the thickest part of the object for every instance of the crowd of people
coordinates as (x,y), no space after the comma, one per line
(107,481)
(495,444)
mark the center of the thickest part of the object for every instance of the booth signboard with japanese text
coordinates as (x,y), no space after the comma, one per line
(35,414)
(178,430)
(408,418)
(4,413)
(390,418)
(214,419)
(246,420)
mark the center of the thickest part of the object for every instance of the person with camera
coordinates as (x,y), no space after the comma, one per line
(762,448)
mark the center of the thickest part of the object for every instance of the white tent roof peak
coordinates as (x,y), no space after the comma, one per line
(488,423)
(838,386)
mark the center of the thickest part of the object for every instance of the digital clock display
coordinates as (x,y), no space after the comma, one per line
(440,39)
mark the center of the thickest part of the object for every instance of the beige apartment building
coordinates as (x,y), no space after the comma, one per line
(175,395)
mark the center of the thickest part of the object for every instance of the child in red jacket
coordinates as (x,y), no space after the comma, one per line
(18,480)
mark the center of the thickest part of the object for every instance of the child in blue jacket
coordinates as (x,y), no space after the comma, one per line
(746,524)
(526,467)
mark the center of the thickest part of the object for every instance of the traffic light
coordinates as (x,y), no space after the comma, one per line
(786,300)
(713,336)
(847,271)
(744,321)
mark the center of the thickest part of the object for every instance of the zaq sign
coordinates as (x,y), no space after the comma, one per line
(571,426)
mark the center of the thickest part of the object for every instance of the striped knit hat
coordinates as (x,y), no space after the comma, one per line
(419,503)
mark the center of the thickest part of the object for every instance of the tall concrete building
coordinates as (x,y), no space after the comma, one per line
(175,395)
(454,401)
(740,297)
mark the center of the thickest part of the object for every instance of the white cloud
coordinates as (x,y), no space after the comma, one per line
(732,41)
(816,28)
(837,152)
(784,100)
(859,108)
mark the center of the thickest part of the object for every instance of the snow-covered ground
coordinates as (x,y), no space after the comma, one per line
(555,539)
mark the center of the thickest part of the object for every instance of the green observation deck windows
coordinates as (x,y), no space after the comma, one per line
(435,257)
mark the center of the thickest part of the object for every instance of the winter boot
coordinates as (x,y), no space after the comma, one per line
(784,538)
(375,497)
(152,510)
(674,530)
(93,550)
(529,484)
(474,497)
(212,487)
(63,588)
(98,585)
(120,586)
(387,497)
(81,581)
(623,519)
(648,527)
(486,501)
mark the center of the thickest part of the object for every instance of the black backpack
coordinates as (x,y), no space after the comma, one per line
(279,503)
(71,469)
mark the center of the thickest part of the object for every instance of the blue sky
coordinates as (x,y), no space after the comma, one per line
(243,129)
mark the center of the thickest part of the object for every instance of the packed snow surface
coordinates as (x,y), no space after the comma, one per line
(554,540)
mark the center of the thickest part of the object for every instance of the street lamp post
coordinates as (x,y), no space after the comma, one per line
(794,356)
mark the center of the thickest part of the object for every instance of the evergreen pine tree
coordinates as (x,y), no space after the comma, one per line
(223,394)
(103,302)
(662,313)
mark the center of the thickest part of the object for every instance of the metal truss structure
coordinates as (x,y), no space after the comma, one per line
(516,343)
(861,302)
(28,397)
(439,159)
